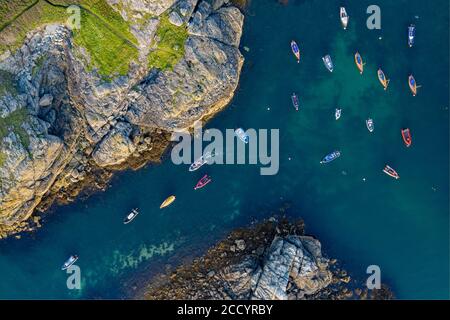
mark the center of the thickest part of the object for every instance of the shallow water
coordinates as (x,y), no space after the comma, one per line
(400,225)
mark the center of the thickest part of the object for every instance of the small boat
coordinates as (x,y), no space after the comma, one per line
(359,62)
(295,50)
(383,80)
(406,135)
(330,157)
(167,202)
(411,35)
(131,216)
(201,161)
(413,85)
(72,259)
(391,172)
(295,101)
(328,62)
(344,17)
(202,182)
(337,113)
(242,135)
(369,124)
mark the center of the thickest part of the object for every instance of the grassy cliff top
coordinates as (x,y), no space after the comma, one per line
(104,33)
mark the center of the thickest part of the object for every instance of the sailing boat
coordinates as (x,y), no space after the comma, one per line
(359,62)
(344,17)
(383,80)
(295,50)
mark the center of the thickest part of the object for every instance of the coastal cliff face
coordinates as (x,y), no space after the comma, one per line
(77,104)
(273,260)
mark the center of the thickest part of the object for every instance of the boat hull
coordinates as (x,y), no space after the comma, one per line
(167,202)
(406,135)
(359,63)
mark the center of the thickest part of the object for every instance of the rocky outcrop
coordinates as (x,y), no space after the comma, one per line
(63,124)
(272,260)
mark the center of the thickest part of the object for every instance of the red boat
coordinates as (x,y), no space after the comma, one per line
(391,172)
(202,182)
(406,134)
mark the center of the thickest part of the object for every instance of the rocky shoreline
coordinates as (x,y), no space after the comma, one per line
(66,129)
(270,260)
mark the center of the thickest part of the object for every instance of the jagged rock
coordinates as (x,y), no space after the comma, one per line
(73,115)
(175,19)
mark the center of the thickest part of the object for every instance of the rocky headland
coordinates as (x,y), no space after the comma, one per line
(78,102)
(273,260)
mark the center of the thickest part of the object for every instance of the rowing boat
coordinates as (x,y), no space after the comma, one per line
(359,62)
(383,80)
(406,135)
(167,202)
(412,85)
(295,50)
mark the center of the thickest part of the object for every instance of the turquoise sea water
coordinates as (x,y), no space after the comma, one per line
(402,226)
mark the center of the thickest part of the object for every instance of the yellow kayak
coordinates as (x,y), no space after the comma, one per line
(167,202)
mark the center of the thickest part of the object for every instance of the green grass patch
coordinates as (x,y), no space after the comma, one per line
(14,122)
(170,48)
(103,33)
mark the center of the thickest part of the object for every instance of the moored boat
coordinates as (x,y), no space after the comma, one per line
(369,124)
(130,217)
(72,259)
(391,172)
(295,101)
(383,80)
(412,85)
(200,161)
(295,50)
(406,135)
(359,62)
(202,182)
(242,135)
(167,202)
(330,157)
(344,17)
(411,35)
(337,113)
(328,62)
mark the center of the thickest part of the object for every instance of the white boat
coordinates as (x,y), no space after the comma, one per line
(338,113)
(242,135)
(344,17)
(72,259)
(130,217)
(201,161)
(328,62)
(369,124)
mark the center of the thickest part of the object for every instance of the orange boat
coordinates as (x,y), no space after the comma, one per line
(412,85)
(406,135)
(167,202)
(359,62)
(383,80)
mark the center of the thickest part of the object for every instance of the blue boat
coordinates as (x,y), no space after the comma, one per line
(295,50)
(330,157)
(411,35)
